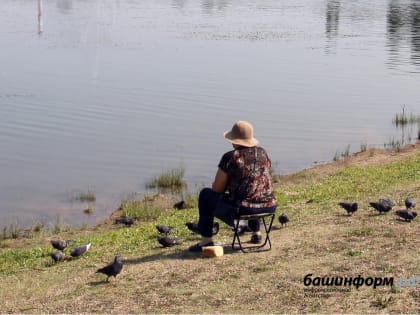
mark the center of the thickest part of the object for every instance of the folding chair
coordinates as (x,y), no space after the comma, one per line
(267,227)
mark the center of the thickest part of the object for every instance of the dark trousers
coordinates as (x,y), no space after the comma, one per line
(212,204)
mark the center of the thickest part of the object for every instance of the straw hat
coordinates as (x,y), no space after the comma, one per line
(242,133)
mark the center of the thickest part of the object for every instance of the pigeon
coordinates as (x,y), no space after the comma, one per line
(193,227)
(113,269)
(61,244)
(180,205)
(57,256)
(283,219)
(80,250)
(387,201)
(127,221)
(242,227)
(167,241)
(383,205)
(410,203)
(350,207)
(407,215)
(164,229)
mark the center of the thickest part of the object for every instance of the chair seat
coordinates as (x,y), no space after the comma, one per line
(267,228)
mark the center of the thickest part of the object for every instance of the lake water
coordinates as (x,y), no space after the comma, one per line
(102,95)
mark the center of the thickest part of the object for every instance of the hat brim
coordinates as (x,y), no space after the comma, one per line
(243,142)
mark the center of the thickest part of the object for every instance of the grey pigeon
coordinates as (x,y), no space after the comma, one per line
(164,229)
(407,215)
(113,269)
(61,244)
(127,221)
(80,250)
(284,219)
(383,205)
(387,201)
(168,241)
(350,207)
(57,256)
(410,203)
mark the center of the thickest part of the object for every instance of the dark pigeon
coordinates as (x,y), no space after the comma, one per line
(127,221)
(284,219)
(410,203)
(58,256)
(383,205)
(164,229)
(61,244)
(180,205)
(193,227)
(168,241)
(407,215)
(113,269)
(350,207)
(80,250)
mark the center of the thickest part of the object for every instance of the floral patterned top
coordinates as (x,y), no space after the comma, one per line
(249,180)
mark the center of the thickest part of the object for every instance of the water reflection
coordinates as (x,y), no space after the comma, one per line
(65,6)
(332,18)
(40,21)
(403,32)
(209,6)
(415,33)
(178,4)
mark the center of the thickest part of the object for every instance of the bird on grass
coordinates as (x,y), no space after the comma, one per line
(193,227)
(283,219)
(127,221)
(350,207)
(180,205)
(164,229)
(406,214)
(61,244)
(168,241)
(383,205)
(80,250)
(58,256)
(410,203)
(113,269)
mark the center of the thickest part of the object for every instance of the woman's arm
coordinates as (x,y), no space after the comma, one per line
(220,181)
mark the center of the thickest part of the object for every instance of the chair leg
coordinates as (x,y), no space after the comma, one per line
(267,228)
(236,235)
(267,231)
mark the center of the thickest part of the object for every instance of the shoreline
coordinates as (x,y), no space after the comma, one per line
(373,156)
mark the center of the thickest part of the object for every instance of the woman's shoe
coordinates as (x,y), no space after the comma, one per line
(198,248)
(256,239)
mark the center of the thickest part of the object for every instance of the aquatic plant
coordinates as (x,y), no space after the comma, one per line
(171,179)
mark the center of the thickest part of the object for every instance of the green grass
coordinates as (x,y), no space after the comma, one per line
(356,182)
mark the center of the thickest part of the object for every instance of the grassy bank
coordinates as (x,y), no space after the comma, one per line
(320,240)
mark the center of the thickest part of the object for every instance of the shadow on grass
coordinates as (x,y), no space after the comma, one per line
(181,254)
(97,283)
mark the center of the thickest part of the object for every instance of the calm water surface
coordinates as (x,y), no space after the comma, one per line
(103,95)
